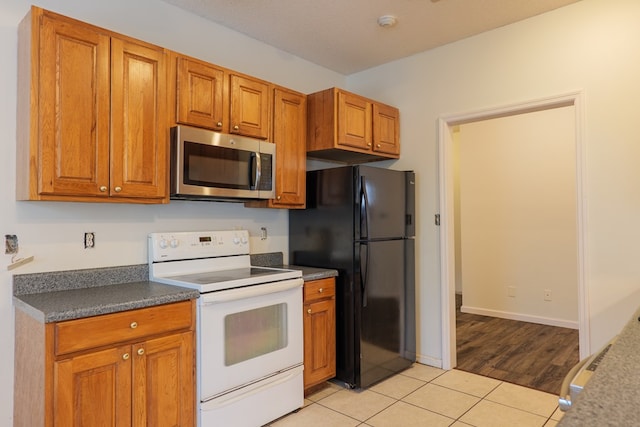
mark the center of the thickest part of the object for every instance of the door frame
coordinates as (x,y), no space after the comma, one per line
(447,227)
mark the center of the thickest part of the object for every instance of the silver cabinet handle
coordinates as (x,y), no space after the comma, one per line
(309,311)
(134,325)
(236,127)
(118,189)
(321,290)
(103,188)
(140,351)
(125,356)
(219,124)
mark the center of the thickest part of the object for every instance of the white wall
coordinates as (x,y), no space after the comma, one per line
(591,46)
(52,231)
(518,217)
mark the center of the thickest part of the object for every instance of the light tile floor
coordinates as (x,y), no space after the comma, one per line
(426,396)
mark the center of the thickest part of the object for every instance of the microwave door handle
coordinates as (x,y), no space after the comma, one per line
(254,170)
(258,173)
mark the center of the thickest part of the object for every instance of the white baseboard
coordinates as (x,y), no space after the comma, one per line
(521,317)
(428,360)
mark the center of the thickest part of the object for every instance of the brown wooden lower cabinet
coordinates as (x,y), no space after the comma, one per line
(319,331)
(134,368)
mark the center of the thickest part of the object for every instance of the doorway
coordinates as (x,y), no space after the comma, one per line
(447,125)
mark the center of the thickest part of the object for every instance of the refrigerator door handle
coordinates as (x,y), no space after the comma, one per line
(364,271)
(364,209)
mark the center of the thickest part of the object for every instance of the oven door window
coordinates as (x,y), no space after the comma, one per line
(253,333)
(220,167)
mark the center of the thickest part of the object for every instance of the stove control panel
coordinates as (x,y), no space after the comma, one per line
(197,244)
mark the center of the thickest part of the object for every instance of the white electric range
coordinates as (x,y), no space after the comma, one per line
(249,331)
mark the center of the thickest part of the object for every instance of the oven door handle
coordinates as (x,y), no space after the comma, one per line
(250,291)
(564,400)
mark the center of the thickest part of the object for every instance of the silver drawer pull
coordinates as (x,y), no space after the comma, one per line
(140,351)
(125,356)
(134,325)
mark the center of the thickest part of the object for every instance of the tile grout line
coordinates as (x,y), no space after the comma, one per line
(423,382)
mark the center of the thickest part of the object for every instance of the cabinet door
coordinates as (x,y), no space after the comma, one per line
(139,136)
(289,136)
(200,94)
(319,342)
(354,121)
(249,107)
(73,109)
(164,382)
(386,129)
(93,389)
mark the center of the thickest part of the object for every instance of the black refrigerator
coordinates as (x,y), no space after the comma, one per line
(360,220)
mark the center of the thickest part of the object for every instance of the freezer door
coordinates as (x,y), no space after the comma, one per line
(382,203)
(386,305)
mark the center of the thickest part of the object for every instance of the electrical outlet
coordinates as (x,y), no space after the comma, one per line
(547,294)
(511,291)
(89,240)
(10,244)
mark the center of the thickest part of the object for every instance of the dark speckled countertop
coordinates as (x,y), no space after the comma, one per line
(66,295)
(312,273)
(612,396)
(274,259)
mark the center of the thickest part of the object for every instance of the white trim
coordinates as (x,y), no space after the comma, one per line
(447,232)
(520,317)
(429,361)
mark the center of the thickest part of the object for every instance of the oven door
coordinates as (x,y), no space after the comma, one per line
(247,334)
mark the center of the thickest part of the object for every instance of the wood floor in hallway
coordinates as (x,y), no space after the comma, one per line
(527,354)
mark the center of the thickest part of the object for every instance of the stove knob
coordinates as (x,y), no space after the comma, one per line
(174,243)
(244,240)
(236,240)
(162,243)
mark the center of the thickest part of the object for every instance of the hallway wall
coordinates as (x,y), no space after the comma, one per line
(518,230)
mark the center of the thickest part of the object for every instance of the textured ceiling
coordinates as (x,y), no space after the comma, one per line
(343,35)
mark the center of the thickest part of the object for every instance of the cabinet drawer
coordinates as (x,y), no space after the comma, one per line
(109,329)
(319,289)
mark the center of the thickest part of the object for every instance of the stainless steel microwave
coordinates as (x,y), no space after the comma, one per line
(207,165)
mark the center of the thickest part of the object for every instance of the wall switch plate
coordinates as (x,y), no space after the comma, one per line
(547,294)
(511,291)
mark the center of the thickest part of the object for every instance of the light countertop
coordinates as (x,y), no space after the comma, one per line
(612,396)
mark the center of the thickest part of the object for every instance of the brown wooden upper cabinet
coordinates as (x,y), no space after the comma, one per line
(91,114)
(201,99)
(212,97)
(250,107)
(350,128)
(289,131)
